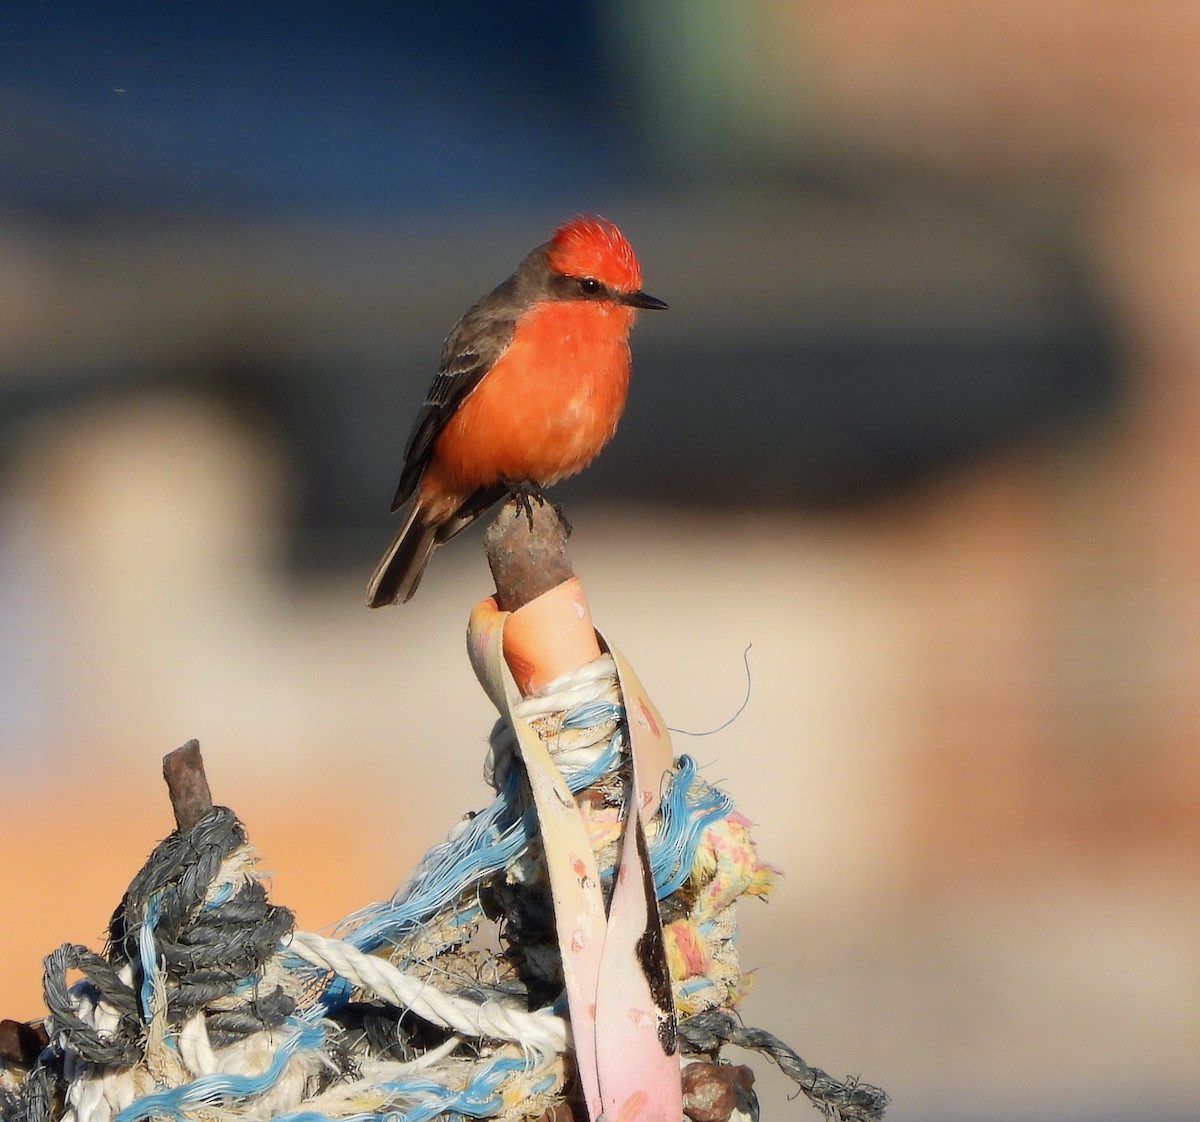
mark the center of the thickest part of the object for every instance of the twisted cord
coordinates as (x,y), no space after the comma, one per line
(215,1008)
(118,1047)
(539,1031)
(210,1089)
(34,1100)
(842,1100)
(209,918)
(588,744)
(423,1099)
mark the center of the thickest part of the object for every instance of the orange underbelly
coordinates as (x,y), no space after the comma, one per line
(550,403)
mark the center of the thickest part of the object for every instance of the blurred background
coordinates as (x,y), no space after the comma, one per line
(922,425)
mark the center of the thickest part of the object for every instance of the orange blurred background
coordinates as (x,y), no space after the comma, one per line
(973,738)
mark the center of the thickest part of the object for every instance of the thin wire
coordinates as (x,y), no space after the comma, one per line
(738,712)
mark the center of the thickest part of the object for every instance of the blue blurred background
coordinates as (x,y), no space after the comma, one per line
(921,424)
(255,136)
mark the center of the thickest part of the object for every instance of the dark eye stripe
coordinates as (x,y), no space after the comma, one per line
(562,287)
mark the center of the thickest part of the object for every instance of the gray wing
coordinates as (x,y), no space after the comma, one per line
(471,350)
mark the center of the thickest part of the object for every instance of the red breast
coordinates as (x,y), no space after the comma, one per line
(544,410)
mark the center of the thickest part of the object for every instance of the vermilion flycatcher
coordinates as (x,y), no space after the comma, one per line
(530,387)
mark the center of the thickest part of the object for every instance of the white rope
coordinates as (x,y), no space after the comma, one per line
(195,1049)
(586,683)
(539,1031)
(574,749)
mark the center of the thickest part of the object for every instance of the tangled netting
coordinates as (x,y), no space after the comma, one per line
(441,1002)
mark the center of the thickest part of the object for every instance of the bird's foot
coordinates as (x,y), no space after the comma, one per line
(562,520)
(523,493)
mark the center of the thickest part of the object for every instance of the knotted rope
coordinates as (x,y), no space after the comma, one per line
(208,1005)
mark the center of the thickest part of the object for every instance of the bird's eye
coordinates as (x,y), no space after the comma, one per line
(589,286)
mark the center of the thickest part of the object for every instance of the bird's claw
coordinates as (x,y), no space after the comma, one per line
(523,493)
(562,520)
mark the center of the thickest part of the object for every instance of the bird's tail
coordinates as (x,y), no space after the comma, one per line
(400,569)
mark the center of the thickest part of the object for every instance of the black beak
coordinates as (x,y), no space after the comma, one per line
(644,300)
